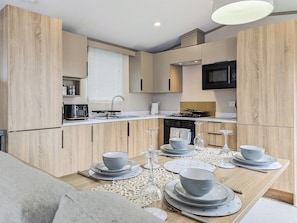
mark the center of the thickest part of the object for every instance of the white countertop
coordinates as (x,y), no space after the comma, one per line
(91,121)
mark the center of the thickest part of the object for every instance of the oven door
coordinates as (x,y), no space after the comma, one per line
(178,123)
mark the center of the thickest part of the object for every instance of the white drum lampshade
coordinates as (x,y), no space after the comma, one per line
(235,12)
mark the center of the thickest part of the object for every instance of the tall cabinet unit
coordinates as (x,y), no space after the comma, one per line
(266,94)
(31,80)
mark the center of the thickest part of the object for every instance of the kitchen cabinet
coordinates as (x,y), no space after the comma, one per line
(141,72)
(214,138)
(218,51)
(75,55)
(109,136)
(31,70)
(138,138)
(76,152)
(266,98)
(39,148)
(167,77)
(185,55)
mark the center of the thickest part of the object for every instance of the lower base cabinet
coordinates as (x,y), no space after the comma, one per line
(109,136)
(278,142)
(138,138)
(214,138)
(76,152)
(39,148)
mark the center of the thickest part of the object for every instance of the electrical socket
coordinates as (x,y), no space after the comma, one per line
(232,104)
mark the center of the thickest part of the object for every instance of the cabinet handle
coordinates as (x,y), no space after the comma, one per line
(128,129)
(62,139)
(141,84)
(169,84)
(92,137)
(229,75)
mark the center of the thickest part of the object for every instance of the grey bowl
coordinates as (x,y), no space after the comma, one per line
(115,160)
(250,152)
(178,143)
(196,181)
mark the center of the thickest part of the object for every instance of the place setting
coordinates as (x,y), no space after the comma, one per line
(178,147)
(254,157)
(114,166)
(197,193)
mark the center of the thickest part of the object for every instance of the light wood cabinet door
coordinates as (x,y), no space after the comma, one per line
(32,97)
(109,136)
(141,72)
(219,51)
(75,55)
(266,75)
(77,149)
(39,148)
(138,138)
(167,77)
(277,142)
(214,138)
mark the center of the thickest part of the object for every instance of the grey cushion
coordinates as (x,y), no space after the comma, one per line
(27,194)
(99,206)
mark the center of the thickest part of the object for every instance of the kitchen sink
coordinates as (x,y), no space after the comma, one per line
(116,117)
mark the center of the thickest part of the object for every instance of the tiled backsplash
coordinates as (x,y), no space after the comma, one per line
(209,106)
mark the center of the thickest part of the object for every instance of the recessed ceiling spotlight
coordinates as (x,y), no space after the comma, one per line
(157,24)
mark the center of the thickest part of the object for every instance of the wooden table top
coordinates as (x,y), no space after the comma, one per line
(253,185)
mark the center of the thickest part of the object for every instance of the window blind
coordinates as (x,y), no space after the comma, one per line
(105,76)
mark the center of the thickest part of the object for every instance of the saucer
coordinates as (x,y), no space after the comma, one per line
(168,148)
(171,192)
(217,194)
(132,165)
(266,159)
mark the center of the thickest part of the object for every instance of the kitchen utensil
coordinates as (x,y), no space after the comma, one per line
(252,152)
(115,160)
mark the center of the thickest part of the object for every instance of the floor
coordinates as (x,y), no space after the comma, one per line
(268,210)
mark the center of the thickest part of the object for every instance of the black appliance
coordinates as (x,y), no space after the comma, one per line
(177,123)
(76,112)
(219,75)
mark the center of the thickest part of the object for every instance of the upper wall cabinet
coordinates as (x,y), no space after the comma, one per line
(219,51)
(141,72)
(186,55)
(167,77)
(75,55)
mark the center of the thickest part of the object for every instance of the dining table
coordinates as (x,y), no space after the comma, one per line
(249,185)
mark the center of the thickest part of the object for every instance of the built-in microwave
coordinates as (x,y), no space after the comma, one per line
(219,75)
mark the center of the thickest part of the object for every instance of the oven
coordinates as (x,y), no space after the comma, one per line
(178,123)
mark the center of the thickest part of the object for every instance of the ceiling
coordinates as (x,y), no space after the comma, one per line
(130,23)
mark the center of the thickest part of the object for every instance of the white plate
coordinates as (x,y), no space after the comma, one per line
(101,167)
(131,167)
(230,208)
(191,153)
(270,166)
(217,194)
(170,191)
(266,159)
(124,176)
(168,148)
(176,166)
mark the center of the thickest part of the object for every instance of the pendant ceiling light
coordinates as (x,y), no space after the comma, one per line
(235,12)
